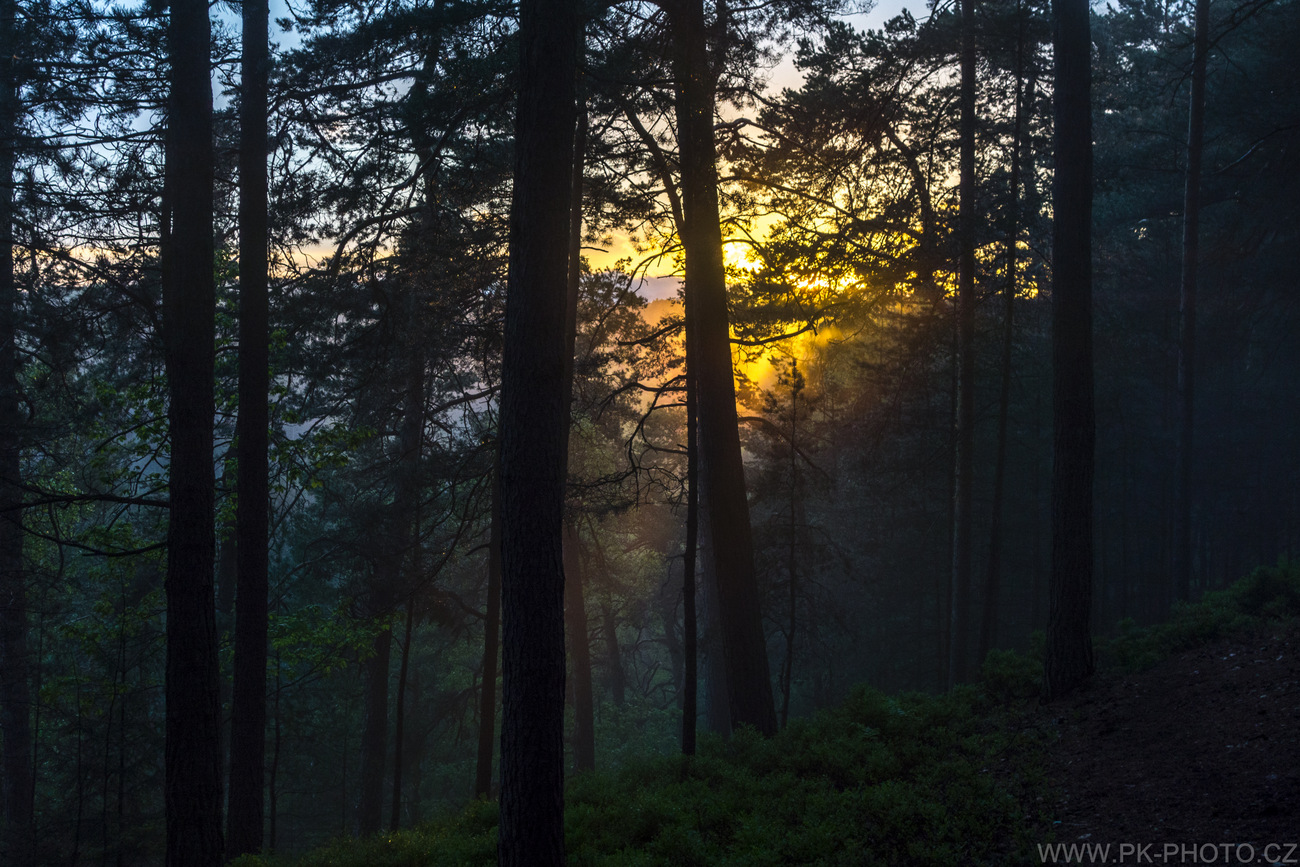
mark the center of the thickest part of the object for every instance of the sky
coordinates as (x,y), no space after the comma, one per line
(658,284)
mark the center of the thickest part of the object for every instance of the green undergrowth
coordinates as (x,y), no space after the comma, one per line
(879,780)
(1267,595)
(891,780)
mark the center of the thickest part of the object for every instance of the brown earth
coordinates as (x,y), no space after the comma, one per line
(1202,749)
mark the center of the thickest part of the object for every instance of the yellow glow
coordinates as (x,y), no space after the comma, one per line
(607,255)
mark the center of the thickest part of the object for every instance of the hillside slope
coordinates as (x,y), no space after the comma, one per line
(1203,748)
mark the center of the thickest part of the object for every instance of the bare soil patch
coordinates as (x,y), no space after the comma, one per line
(1204,748)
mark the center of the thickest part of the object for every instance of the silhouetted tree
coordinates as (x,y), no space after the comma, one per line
(722,472)
(16,793)
(1186,440)
(193,765)
(1069,641)
(252,521)
(533,419)
(959,601)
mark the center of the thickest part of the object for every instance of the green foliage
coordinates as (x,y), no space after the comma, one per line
(466,839)
(1008,676)
(312,639)
(1268,593)
(880,779)
(636,729)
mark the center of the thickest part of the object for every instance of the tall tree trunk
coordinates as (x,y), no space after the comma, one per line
(487,706)
(252,510)
(227,561)
(959,603)
(1069,642)
(575,606)
(666,606)
(722,471)
(274,769)
(584,719)
(374,736)
(993,578)
(717,710)
(17,842)
(193,716)
(792,564)
(614,657)
(1182,559)
(414,750)
(399,728)
(391,578)
(690,629)
(533,418)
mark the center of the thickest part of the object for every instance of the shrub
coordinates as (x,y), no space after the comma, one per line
(1267,593)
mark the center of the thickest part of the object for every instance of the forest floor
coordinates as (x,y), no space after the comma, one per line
(1203,748)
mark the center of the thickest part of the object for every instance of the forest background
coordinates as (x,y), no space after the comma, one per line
(388,142)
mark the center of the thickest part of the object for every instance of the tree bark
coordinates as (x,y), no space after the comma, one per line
(584,718)
(959,602)
(17,843)
(374,736)
(993,578)
(717,711)
(193,715)
(1069,659)
(722,471)
(792,553)
(1185,449)
(690,628)
(274,770)
(532,461)
(575,605)
(391,579)
(399,727)
(487,706)
(614,656)
(244,818)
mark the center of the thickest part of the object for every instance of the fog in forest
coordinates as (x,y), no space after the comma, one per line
(411,409)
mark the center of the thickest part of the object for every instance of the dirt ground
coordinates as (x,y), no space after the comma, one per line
(1202,749)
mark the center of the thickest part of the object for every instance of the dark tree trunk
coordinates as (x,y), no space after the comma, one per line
(666,606)
(414,751)
(1185,449)
(399,728)
(533,420)
(487,706)
(993,578)
(17,842)
(193,727)
(1069,642)
(575,605)
(614,657)
(252,517)
(690,629)
(717,709)
(927,252)
(399,546)
(722,472)
(227,562)
(959,609)
(274,770)
(584,718)
(374,737)
(792,552)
